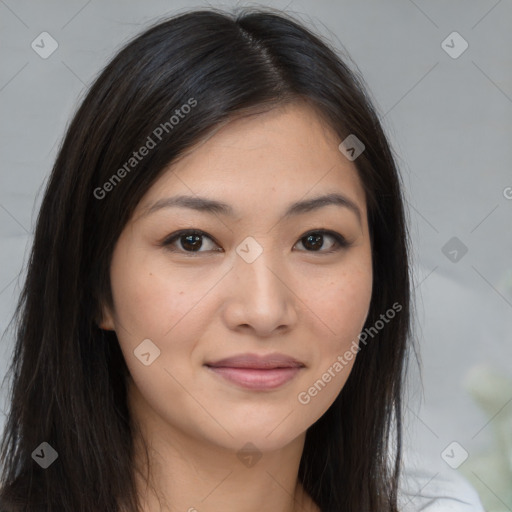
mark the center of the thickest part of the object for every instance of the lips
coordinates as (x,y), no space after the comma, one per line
(254,372)
(256,361)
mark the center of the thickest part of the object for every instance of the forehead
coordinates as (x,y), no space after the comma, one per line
(271,158)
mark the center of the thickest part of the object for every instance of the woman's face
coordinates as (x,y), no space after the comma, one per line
(255,282)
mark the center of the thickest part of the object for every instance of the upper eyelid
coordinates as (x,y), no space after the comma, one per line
(173,237)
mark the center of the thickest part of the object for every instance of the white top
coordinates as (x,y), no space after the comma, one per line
(437,490)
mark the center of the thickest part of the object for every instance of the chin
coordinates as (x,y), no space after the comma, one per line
(272,433)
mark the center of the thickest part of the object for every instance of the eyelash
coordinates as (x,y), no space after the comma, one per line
(341,241)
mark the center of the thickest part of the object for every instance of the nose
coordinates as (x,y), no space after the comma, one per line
(262,299)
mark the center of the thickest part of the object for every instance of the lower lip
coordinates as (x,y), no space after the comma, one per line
(253,378)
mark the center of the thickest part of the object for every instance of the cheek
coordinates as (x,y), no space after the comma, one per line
(153,303)
(149,300)
(342,305)
(340,309)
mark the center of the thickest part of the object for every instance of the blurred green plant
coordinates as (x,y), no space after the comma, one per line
(490,472)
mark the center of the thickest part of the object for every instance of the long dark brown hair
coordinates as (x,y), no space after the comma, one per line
(67,375)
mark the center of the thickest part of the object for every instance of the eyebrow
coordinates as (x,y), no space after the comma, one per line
(214,207)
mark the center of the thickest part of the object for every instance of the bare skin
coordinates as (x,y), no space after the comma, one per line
(198,306)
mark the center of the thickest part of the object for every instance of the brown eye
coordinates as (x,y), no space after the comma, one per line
(314,241)
(190,241)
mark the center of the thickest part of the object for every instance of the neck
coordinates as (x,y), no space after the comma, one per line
(186,473)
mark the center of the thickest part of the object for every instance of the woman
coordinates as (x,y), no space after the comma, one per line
(216,312)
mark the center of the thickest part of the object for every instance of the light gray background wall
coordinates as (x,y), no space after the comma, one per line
(449,120)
